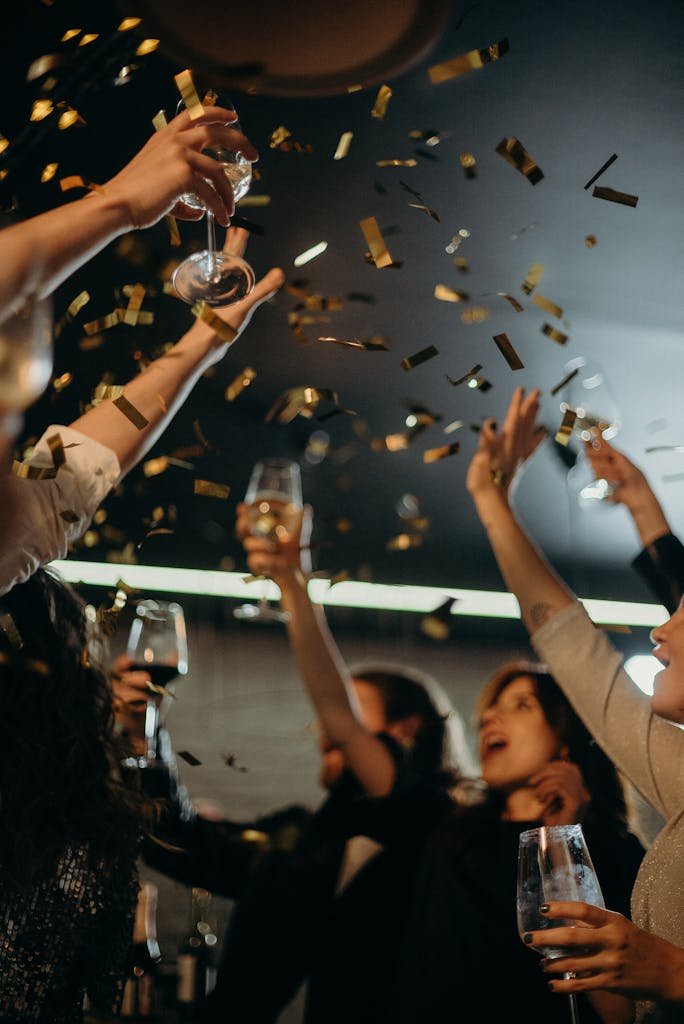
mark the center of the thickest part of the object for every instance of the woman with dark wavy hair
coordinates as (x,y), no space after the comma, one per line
(68,827)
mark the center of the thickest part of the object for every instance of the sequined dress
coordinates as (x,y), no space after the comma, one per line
(68,936)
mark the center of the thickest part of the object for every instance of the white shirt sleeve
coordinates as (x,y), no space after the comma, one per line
(38,533)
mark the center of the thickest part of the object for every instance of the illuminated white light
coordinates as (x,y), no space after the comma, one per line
(348,594)
(642,668)
(310,254)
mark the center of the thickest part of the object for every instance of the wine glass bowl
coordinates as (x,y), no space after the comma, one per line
(596,416)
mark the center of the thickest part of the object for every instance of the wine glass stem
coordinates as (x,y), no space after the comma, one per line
(211,246)
(574,1012)
(151,726)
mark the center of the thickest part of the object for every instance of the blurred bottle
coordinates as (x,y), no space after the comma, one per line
(140,999)
(196,958)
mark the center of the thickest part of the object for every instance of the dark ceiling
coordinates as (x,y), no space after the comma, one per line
(580,82)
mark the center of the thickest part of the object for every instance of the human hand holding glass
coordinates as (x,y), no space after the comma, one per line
(157,645)
(214,276)
(553,864)
(274,509)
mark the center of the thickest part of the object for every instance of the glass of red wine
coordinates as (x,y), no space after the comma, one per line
(158,645)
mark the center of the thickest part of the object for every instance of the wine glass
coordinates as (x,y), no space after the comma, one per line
(25,353)
(213,276)
(589,396)
(554,864)
(158,645)
(274,500)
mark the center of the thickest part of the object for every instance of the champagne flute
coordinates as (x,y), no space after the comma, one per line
(274,497)
(158,645)
(554,864)
(213,276)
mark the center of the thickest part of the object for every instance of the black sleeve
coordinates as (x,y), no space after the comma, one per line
(661,566)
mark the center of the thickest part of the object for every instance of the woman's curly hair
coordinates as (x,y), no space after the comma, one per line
(60,780)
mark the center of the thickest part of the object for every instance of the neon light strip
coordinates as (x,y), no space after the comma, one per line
(350,594)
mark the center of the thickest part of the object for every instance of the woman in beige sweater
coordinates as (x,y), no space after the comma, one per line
(644,960)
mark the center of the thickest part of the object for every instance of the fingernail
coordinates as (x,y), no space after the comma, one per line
(544,908)
(527,937)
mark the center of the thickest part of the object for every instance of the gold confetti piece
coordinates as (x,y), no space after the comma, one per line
(404,541)
(614,196)
(442,452)
(479,383)
(534,276)
(56,447)
(174,235)
(462,265)
(374,344)
(60,383)
(547,305)
(562,383)
(203,312)
(513,151)
(391,443)
(300,401)
(474,315)
(149,46)
(76,181)
(611,627)
(9,628)
(89,37)
(278,136)
(375,242)
(419,357)
(207,488)
(470,61)
(68,118)
(70,33)
(436,624)
(25,471)
(130,412)
(396,163)
(310,254)
(564,432)
(254,201)
(343,145)
(381,102)
(425,209)
(554,334)
(69,517)
(128,23)
(186,87)
(609,161)
(508,352)
(157,687)
(135,302)
(189,758)
(104,322)
(155,467)
(104,392)
(41,109)
(4,143)
(354,88)
(446,294)
(242,381)
(210,98)
(159,120)
(158,531)
(466,376)
(453,426)
(469,165)
(48,172)
(590,241)
(514,302)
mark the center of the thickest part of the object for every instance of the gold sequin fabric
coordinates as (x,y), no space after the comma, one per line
(66,937)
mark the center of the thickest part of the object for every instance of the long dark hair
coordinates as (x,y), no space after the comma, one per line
(59,777)
(608,799)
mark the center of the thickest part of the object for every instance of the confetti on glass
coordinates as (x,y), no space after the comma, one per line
(562,383)
(547,305)
(238,385)
(469,165)
(436,624)
(470,375)
(186,87)
(470,61)
(446,294)
(609,161)
(396,163)
(564,432)
(554,334)
(310,254)
(209,489)
(442,452)
(590,241)
(128,410)
(381,102)
(425,209)
(375,242)
(534,276)
(506,349)
(514,302)
(513,151)
(419,357)
(343,145)
(474,315)
(225,332)
(404,541)
(614,196)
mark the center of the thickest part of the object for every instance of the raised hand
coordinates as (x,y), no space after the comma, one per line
(131,692)
(501,453)
(633,489)
(561,790)
(279,559)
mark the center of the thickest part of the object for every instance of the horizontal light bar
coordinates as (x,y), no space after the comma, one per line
(348,594)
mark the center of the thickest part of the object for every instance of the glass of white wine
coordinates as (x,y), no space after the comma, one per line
(597,416)
(554,864)
(275,506)
(213,276)
(25,353)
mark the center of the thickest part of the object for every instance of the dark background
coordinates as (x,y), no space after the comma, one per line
(581,81)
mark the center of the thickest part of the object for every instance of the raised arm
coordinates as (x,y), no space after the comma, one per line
(39,253)
(325,676)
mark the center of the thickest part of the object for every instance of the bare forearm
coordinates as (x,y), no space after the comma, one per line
(156,394)
(649,518)
(540,592)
